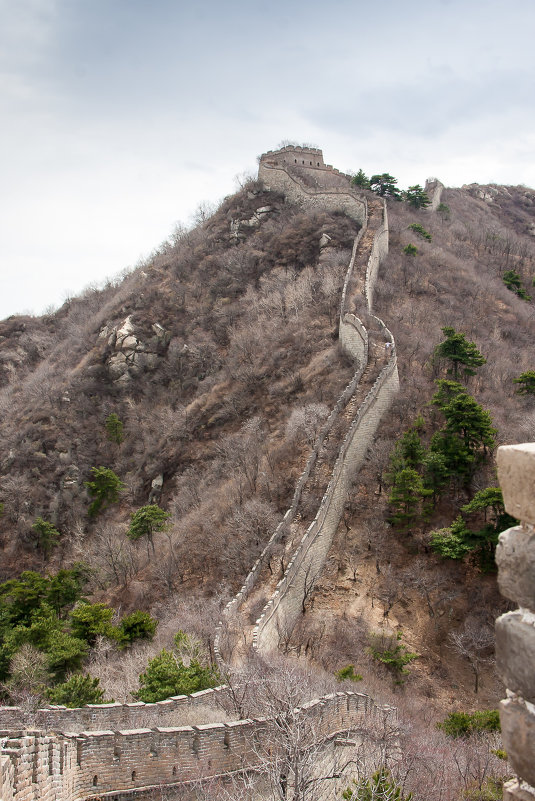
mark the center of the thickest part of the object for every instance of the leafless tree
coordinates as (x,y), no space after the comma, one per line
(474,642)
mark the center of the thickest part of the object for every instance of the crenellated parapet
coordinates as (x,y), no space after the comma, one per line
(515,631)
(301,175)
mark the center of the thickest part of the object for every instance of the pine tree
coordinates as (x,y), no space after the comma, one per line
(460,352)
(406,496)
(526,382)
(416,197)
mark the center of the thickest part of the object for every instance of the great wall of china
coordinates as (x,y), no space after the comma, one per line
(121,751)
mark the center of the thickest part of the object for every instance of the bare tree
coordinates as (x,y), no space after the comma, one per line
(475,643)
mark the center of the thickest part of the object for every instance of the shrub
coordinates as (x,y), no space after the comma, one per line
(181,671)
(114,427)
(464,724)
(104,489)
(410,250)
(78,690)
(420,230)
(387,648)
(136,626)
(348,672)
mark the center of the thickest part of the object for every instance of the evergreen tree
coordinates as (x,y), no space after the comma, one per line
(406,496)
(416,197)
(47,536)
(461,353)
(114,427)
(178,672)
(513,282)
(435,473)
(453,542)
(104,489)
(78,690)
(526,382)
(384,185)
(88,621)
(146,521)
(361,180)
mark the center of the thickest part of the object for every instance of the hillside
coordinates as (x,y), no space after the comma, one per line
(220,357)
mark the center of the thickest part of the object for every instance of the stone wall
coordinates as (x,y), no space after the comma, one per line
(285,606)
(68,767)
(176,711)
(310,186)
(515,631)
(434,189)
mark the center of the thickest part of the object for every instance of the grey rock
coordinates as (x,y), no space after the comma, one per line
(516,474)
(515,654)
(515,557)
(518,736)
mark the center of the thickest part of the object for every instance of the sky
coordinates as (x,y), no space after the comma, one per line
(120,117)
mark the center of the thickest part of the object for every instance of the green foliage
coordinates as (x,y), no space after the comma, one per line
(78,690)
(37,615)
(178,672)
(416,197)
(388,649)
(464,724)
(146,521)
(114,427)
(104,489)
(458,540)
(47,536)
(410,249)
(381,787)
(513,282)
(361,180)
(348,672)
(408,451)
(136,626)
(468,432)
(406,496)
(453,542)
(443,210)
(490,790)
(435,473)
(88,621)
(420,230)
(384,185)
(526,383)
(460,352)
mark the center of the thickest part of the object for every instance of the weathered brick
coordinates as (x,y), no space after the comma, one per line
(515,654)
(513,790)
(516,474)
(515,557)
(518,735)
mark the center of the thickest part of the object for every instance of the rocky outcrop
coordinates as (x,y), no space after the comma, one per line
(129,354)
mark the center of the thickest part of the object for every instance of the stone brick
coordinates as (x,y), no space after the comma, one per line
(513,790)
(518,735)
(515,654)
(515,557)
(516,474)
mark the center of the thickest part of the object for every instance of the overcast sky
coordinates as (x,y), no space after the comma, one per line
(118,117)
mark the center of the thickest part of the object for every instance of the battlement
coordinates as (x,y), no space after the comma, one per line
(515,631)
(293,154)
